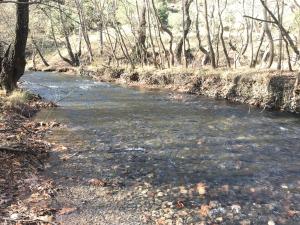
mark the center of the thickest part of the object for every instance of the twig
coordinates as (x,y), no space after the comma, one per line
(28,221)
(261,20)
(15,151)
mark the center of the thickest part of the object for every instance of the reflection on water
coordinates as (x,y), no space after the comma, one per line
(176,142)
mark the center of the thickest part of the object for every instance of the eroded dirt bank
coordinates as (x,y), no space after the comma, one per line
(266,89)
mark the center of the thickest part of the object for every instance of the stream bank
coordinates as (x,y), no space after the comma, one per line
(25,192)
(267,89)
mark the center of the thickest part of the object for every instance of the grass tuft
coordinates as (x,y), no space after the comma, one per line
(18,98)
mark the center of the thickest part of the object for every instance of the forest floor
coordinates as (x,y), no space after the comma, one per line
(25,193)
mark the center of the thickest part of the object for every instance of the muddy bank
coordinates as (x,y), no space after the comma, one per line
(25,193)
(273,90)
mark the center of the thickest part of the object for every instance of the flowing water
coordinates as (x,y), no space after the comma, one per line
(153,149)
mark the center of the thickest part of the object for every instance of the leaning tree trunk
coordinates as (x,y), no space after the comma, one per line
(206,58)
(39,52)
(84,30)
(221,35)
(270,37)
(165,28)
(13,63)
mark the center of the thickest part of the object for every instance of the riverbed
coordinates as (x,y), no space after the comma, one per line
(135,156)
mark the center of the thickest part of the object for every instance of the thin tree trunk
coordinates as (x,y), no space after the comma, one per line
(150,36)
(141,39)
(247,32)
(83,25)
(222,34)
(211,49)
(66,36)
(186,28)
(111,46)
(251,39)
(285,33)
(168,31)
(33,57)
(280,17)
(39,52)
(255,60)
(270,38)
(288,54)
(202,49)
(69,61)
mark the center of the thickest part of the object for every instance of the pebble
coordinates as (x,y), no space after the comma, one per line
(169,221)
(179,221)
(15,216)
(245,222)
(183,191)
(160,194)
(144,191)
(271,222)
(236,208)
(219,219)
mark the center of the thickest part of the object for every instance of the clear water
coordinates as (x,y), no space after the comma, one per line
(182,142)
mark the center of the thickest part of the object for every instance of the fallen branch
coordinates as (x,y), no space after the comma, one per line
(29,221)
(15,150)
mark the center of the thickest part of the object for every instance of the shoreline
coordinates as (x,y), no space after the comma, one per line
(266,89)
(25,191)
(263,89)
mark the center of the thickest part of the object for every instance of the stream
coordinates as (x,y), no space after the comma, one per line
(167,158)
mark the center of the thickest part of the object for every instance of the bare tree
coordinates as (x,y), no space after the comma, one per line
(13,63)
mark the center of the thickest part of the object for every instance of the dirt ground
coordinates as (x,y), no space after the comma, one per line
(25,193)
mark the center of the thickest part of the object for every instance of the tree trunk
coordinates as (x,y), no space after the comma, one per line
(211,49)
(222,33)
(13,63)
(168,31)
(280,17)
(252,60)
(140,45)
(270,38)
(206,59)
(74,60)
(39,52)
(186,28)
(284,32)
(150,36)
(84,29)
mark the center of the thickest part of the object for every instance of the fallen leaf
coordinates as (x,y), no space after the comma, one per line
(179,204)
(201,188)
(46,218)
(97,182)
(66,211)
(292,213)
(204,210)
(160,221)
